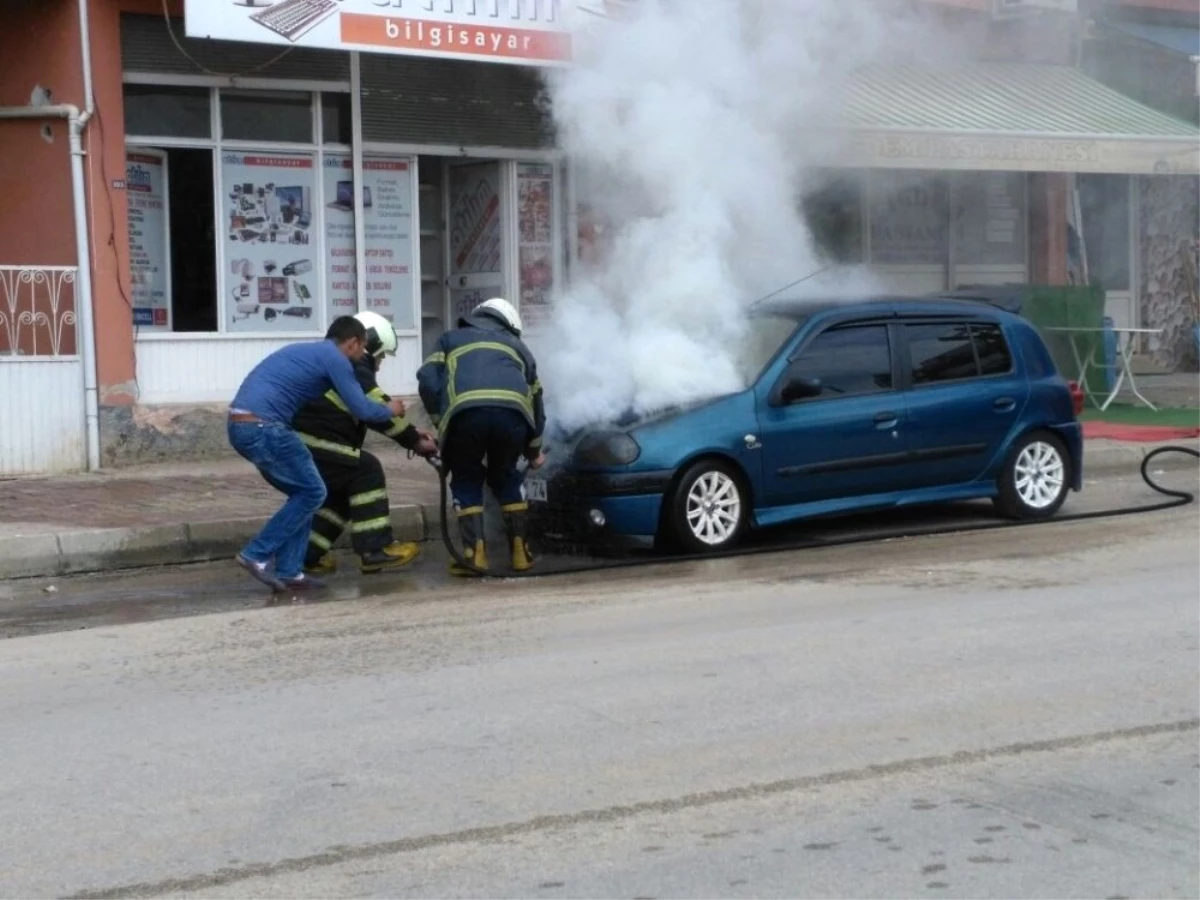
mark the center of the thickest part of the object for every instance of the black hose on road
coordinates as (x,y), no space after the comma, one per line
(1178,498)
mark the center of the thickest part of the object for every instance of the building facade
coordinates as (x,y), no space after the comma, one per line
(215,215)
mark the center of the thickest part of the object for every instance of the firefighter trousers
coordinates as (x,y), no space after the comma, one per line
(482,446)
(356,497)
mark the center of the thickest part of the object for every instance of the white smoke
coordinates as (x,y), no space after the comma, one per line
(692,123)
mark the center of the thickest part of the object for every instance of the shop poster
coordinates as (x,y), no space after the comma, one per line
(535,242)
(267,215)
(149,246)
(388,238)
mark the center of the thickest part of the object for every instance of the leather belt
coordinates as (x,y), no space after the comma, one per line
(244,417)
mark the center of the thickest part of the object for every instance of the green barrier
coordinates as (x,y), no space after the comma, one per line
(1048,306)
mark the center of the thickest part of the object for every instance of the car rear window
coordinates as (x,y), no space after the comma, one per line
(951,351)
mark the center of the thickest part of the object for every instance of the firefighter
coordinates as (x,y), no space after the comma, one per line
(480,387)
(354,480)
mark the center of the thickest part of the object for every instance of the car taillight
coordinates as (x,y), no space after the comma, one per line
(1076,396)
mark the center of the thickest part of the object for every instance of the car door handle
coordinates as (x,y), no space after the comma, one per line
(886,420)
(1004,404)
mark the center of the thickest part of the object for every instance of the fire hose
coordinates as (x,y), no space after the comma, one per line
(1178,498)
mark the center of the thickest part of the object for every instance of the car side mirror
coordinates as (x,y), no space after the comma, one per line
(799,387)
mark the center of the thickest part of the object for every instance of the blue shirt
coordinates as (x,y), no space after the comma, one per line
(293,376)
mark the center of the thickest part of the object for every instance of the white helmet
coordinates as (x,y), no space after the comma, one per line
(502,310)
(381,336)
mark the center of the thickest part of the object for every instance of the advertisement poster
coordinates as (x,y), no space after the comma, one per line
(267,218)
(520,32)
(535,240)
(387,232)
(476,236)
(149,248)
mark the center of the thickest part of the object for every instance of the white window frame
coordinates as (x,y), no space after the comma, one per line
(216,145)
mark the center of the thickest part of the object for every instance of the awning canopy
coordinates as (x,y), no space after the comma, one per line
(1007,117)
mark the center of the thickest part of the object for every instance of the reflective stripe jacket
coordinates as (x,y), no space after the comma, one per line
(482,363)
(332,432)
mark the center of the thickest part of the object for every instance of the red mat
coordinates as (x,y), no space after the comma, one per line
(1115,431)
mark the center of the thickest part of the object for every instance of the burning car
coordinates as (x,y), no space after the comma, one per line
(855,406)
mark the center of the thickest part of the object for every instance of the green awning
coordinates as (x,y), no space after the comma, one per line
(1007,117)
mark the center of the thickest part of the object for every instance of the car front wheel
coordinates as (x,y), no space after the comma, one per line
(709,508)
(1035,479)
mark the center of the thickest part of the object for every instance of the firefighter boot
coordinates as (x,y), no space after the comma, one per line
(517,525)
(321,565)
(470,526)
(394,556)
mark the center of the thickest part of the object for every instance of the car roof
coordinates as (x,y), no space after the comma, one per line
(933,304)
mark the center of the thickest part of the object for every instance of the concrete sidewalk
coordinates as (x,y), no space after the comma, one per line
(165,514)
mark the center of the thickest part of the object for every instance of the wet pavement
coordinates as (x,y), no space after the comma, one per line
(991,714)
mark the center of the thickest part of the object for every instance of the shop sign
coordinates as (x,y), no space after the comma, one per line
(1149,156)
(908,219)
(149,244)
(524,32)
(476,236)
(535,241)
(387,200)
(272,274)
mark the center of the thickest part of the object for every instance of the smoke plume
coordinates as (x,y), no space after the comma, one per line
(691,124)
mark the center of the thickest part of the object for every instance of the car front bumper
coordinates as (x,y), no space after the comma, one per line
(596,511)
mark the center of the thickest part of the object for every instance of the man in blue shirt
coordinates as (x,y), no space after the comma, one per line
(260,430)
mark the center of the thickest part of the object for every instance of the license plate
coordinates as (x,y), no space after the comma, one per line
(535,490)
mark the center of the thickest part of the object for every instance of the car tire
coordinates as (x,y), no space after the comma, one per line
(1036,477)
(709,508)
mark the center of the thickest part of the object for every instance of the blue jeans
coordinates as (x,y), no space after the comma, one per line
(287,465)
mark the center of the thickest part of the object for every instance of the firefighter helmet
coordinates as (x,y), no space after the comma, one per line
(381,336)
(501,309)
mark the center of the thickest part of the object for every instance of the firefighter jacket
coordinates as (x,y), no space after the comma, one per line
(482,363)
(334,435)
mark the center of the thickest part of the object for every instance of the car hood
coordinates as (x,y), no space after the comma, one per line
(631,420)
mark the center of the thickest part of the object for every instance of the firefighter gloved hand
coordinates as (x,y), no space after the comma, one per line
(396,406)
(427,446)
(538,461)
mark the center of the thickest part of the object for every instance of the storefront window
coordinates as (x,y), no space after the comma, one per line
(275,116)
(909,218)
(336,127)
(833,210)
(1104,210)
(225,237)
(989,222)
(177,112)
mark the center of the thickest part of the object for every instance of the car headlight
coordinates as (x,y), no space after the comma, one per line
(611,448)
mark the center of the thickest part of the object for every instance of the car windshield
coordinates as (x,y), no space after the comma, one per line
(765,334)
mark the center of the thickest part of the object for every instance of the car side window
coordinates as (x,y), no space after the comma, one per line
(952,351)
(994,356)
(847,361)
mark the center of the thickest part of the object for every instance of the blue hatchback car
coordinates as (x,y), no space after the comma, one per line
(853,406)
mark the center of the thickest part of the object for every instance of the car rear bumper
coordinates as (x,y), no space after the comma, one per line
(1071,434)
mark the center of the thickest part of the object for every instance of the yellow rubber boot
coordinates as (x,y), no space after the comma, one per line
(470,526)
(326,565)
(515,523)
(393,556)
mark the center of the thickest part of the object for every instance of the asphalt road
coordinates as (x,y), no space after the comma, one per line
(1000,714)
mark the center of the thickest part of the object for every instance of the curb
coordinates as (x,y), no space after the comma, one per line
(108,549)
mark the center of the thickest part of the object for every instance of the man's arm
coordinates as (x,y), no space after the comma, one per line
(340,372)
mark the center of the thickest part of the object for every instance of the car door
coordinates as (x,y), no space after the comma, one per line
(848,439)
(965,394)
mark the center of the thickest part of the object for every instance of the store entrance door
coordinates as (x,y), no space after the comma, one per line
(476,204)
